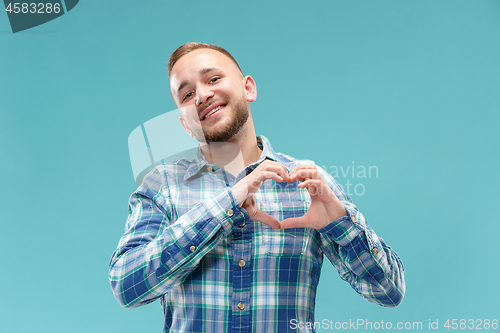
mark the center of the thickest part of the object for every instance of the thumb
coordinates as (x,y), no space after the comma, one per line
(294,222)
(266,219)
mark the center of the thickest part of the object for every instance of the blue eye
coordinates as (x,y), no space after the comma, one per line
(214,79)
(187,96)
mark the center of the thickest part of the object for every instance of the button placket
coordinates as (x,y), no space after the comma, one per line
(242,275)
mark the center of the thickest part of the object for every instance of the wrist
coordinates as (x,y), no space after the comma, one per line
(338,212)
(240,191)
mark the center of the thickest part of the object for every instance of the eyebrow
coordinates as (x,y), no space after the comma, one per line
(201,73)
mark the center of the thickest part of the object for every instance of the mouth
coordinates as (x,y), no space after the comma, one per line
(211,112)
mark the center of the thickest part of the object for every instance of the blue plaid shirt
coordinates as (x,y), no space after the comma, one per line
(188,242)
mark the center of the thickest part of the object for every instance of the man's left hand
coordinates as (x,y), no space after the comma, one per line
(325,206)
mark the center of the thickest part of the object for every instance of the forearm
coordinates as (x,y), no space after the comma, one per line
(156,253)
(364,260)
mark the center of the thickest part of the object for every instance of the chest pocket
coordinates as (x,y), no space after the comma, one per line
(285,242)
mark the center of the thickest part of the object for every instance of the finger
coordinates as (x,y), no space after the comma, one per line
(255,180)
(314,186)
(301,168)
(266,219)
(305,173)
(294,222)
(262,176)
(276,167)
(265,175)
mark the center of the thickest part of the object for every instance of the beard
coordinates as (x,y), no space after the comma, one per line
(234,125)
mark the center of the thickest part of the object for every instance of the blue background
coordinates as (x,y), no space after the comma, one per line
(411,87)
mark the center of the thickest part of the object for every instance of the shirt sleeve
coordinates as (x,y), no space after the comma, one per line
(362,258)
(157,251)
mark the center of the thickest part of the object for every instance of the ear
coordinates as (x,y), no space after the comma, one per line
(184,125)
(250,88)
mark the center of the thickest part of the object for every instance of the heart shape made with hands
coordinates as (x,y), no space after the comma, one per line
(325,206)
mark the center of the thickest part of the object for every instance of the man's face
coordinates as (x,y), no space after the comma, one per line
(212,95)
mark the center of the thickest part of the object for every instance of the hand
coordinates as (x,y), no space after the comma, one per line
(245,189)
(256,214)
(325,206)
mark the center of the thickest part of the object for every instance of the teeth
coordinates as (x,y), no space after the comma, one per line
(214,110)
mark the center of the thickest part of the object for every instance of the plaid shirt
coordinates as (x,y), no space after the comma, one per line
(189,243)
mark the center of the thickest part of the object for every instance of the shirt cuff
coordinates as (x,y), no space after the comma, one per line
(226,210)
(346,228)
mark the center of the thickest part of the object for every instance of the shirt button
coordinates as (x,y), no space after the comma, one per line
(192,248)
(241,263)
(375,251)
(354,219)
(230,212)
(241,306)
(242,225)
(209,168)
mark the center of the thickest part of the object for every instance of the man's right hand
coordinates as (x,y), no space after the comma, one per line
(245,189)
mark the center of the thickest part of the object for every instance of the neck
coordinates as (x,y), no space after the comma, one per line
(237,153)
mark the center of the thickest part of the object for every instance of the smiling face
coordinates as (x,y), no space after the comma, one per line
(212,95)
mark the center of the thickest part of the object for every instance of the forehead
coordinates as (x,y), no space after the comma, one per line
(190,66)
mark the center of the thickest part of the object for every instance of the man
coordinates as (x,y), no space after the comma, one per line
(233,240)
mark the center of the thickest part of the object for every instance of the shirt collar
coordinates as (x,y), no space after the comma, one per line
(196,165)
(199,162)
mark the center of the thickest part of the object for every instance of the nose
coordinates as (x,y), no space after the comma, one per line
(203,94)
